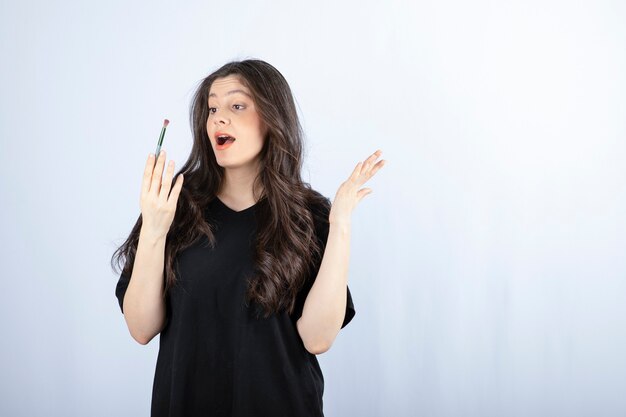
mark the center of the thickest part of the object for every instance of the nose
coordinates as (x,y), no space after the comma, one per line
(218,118)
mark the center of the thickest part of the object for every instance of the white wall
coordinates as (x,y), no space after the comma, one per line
(487,266)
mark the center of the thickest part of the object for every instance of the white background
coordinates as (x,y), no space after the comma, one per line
(487,267)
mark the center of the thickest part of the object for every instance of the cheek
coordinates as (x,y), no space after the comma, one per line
(260,126)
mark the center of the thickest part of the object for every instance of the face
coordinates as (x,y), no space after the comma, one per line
(232,112)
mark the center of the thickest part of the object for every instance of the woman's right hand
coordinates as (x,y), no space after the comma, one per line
(157,208)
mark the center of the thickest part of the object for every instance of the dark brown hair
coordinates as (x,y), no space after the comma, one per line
(286,249)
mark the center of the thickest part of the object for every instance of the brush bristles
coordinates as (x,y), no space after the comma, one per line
(165,123)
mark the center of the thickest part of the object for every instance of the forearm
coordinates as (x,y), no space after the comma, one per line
(144,305)
(325,305)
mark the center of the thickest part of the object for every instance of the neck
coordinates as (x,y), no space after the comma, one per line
(237,186)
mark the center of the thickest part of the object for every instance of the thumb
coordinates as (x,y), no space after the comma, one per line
(362,193)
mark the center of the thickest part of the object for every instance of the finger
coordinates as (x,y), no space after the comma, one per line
(375,168)
(368,162)
(167,182)
(357,171)
(147,175)
(362,193)
(176,190)
(373,156)
(157,173)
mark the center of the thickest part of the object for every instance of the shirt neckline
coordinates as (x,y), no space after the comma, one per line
(230,210)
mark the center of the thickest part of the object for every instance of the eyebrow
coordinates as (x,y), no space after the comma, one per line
(231,92)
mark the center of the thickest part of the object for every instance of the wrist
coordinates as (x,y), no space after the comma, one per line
(149,236)
(342,225)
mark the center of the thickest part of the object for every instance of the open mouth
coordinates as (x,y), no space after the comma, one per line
(223,139)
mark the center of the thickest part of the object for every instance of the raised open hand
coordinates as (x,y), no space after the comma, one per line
(158,206)
(349,193)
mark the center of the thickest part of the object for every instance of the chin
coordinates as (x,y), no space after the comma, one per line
(230,165)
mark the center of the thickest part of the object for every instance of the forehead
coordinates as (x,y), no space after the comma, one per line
(228,85)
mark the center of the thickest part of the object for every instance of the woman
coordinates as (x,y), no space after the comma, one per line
(243,270)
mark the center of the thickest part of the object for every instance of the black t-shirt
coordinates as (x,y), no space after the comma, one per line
(216,358)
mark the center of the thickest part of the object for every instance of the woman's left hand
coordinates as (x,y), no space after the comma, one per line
(349,193)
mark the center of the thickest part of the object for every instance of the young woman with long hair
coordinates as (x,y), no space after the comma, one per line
(238,264)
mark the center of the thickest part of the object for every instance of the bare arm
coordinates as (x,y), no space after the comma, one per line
(325,305)
(324,308)
(144,305)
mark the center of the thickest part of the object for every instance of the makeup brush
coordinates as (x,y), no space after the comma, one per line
(165,123)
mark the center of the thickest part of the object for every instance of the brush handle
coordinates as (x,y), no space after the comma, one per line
(158,149)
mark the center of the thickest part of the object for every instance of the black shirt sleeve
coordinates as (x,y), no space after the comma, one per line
(120,289)
(320,216)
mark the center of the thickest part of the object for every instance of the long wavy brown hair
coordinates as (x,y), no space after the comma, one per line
(286,247)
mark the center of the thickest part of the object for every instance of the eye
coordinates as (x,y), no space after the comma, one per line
(211,109)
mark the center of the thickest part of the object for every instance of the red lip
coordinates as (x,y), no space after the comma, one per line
(218,134)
